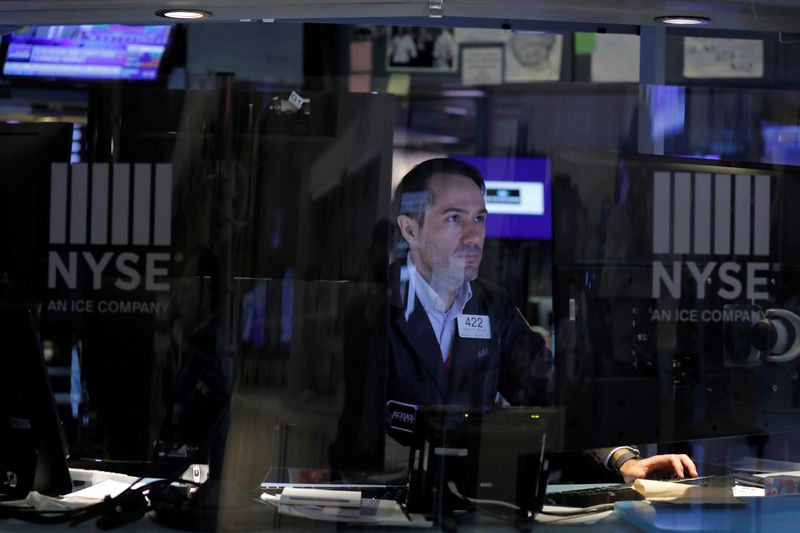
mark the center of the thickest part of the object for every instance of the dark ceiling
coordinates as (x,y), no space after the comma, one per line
(612,15)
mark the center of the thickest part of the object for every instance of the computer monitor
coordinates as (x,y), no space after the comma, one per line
(517,196)
(33,447)
(86,52)
(27,151)
(461,456)
(662,268)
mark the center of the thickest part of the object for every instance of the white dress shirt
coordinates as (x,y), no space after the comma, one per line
(442,320)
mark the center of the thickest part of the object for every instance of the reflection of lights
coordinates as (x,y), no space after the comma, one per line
(48,350)
(75,151)
(183,14)
(463,93)
(406,137)
(453,110)
(683,20)
(712,157)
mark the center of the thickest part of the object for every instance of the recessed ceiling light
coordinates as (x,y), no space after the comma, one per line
(683,20)
(183,14)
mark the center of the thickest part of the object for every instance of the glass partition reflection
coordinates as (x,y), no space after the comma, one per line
(223,273)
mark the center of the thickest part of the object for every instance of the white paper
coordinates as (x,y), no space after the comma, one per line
(533,57)
(559,518)
(109,487)
(710,57)
(615,58)
(743,491)
(482,66)
(528,56)
(375,512)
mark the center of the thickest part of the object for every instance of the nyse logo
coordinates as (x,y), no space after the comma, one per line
(703,214)
(114,219)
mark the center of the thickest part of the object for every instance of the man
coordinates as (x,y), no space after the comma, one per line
(444,49)
(402,49)
(456,339)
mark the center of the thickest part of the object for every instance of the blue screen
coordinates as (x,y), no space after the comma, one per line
(517,196)
(100,51)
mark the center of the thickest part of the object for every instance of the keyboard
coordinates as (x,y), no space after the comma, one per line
(750,480)
(592,496)
(389,492)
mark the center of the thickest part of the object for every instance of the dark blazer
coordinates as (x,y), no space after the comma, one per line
(514,361)
(387,357)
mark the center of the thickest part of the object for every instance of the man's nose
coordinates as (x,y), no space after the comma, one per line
(472,233)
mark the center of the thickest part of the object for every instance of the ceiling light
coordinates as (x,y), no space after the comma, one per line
(683,20)
(435,8)
(183,14)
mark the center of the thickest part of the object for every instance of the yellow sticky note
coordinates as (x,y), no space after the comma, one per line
(399,84)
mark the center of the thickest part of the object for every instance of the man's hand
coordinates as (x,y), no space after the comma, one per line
(678,464)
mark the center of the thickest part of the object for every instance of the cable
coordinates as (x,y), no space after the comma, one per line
(707,390)
(565,514)
(452,486)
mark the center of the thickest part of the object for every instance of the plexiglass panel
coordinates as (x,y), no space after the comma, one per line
(432,264)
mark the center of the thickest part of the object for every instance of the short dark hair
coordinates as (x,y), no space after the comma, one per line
(412,197)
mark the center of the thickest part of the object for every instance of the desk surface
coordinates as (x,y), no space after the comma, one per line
(262,518)
(780,513)
(467,525)
(765,514)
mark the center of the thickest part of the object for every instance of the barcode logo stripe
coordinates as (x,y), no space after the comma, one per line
(722,214)
(117,204)
(163,205)
(141,204)
(661,204)
(682,213)
(79,196)
(702,213)
(120,200)
(99,220)
(58,203)
(761,216)
(741,215)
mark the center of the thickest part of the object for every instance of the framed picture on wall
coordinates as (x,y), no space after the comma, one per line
(482,64)
(410,49)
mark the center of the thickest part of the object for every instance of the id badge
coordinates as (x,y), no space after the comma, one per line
(474,327)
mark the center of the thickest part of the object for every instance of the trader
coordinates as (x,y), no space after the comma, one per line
(454,338)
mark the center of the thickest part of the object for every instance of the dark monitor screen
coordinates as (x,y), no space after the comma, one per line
(499,454)
(517,196)
(27,153)
(666,274)
(86,52)
(33,450)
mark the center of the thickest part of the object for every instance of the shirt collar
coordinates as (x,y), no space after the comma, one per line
(418,288)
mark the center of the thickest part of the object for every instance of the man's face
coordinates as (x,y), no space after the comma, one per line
(447,249)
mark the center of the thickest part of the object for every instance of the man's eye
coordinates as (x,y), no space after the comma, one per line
(480,219)
(454,218)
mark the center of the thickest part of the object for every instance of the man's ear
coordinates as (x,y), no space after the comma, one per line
(409,228)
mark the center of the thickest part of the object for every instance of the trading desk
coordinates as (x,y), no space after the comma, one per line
(259,517)
(467,524)
(780,513)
